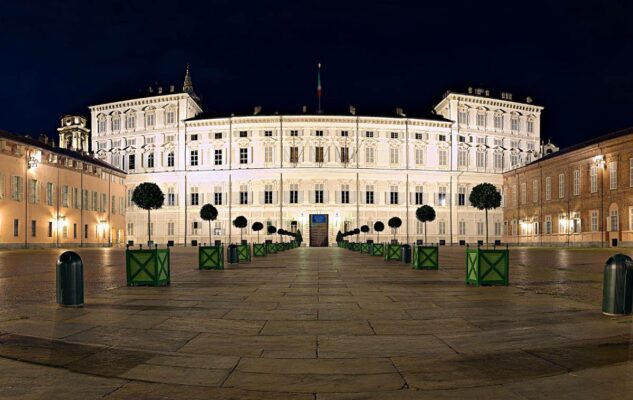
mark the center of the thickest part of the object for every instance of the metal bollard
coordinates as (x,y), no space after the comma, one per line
(70,280)
(617,286)
(233,256)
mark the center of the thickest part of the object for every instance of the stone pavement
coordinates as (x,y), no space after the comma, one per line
(323,324)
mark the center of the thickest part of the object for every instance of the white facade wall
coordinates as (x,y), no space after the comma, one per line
(395,165)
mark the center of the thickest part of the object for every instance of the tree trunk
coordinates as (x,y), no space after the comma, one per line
(210,242)
(241,237)
(149,231)
(425,233)
(257,236)
(378,237)
(486,227)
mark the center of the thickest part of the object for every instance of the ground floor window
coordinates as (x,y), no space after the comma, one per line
(594,220)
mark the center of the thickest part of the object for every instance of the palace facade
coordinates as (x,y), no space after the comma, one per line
(58,196)
(579,196)
(319,173)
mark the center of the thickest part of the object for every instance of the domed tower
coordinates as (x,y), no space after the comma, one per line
(73,133)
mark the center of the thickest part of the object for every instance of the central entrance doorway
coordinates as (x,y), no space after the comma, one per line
(319,230)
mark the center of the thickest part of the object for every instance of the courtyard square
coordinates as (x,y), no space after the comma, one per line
(314,323)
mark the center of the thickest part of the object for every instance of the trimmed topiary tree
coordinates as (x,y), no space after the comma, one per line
(257,226)
(240,222)
(356,232)
(394,223)
(298,237)
(379,227)
(148,196)
(209,213)
(485,196)
(364,229)
(339,237)
(425,214)
(271,230)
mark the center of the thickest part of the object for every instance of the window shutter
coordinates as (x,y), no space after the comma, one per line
(250,197)
(338,199)
(262,197)
(325,196)
(352,197)
(300,195)
(363,198)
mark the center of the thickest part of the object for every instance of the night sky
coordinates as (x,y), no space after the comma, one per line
(574,59)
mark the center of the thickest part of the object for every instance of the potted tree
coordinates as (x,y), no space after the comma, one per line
(298,238)
(149,266)
(259,249)
(339,239)
(211,256)
(378,249)
(392,252)
(364,247)
(424,255)
(243,248)
(486,266)
(271,247)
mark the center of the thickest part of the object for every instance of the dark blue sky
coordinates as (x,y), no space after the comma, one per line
(574,58)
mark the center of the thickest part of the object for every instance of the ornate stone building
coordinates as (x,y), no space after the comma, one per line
(579,196)
(319,173)
(58,196)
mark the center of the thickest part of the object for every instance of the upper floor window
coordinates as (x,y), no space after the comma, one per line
(394,154)
(481,120)
(294,193)
(116,123)
(243,156)
(441,138)
(344,154)
(268,194)
(462,117)
(268,154)
(394,135)
(576,184)
(243,134)
(369,194)
(150,119)
(613,175)
(443,158)
(294,133)
(419,136)
(131,162)
(150,160)
(561,185)
(345,194)
(194,137)
(268,133)
(101,125)
(171,116)
(369,134)
(130,121)
(218,157)
(345,133)
(548,188)
(218,135)
(318,154)
(170,159)
(499,121)
(515,124)
(194,158)
(419,155)
(195,196)
(393,195)
(294,154)
(530,126)
(593,178)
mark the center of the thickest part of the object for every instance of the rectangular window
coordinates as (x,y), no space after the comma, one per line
(17,189)
(86,231)
(461,196)
(195,196)
(50,229)
(394,155)
(561,186)
(441,227)
(243,156)
(369,155)
(344,154)
(16,227)
(217,198)
(243,134)
(481,120)
(441,196)
(130,228)
(548,224)
(481,159)
(515,124)
(630,175)
(171,196)
(170,229)
(576,185)
(548,188)
(462,158)
(593,173)
(294,193)
(498,160)
(343,133)
(613,175)
(294,154)
(498,121)
(194,137)
(462,227)
(369,134)
(530,126)
(243,194)
(74,231)
(33,191)
(268,133)
(150,119)
(218,135)
(318,193)
(523,192)
(268,194)
(218,157)
(497,228)
(268,154)
(514,196)
(443,158)
(318,154)
(393,195)
(170,159)
(594,220)
(170,117)
(394,135)
(369,195)
(150,160)
(441,138)
(345,194)
(419,155)
(294,133)
(462,117)
(131,162)
(194,158)
(535,190)
(419,195)
(33,228)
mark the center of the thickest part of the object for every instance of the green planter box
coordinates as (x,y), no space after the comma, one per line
(147,267)
(355,246)
(364,248)
(244,252)
(392,252)
(487,267)
(378,249)
(271,248)
(425,257)
(211,257)
(279,246)
(259,250)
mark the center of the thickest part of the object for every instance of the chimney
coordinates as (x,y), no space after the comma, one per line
(304,109)
(150,89)
(172,88)
(352,110)
(400,112)
(43,138)
(160,90)
(257,110)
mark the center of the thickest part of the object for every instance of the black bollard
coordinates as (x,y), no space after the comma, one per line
(617,289)
(70,280)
